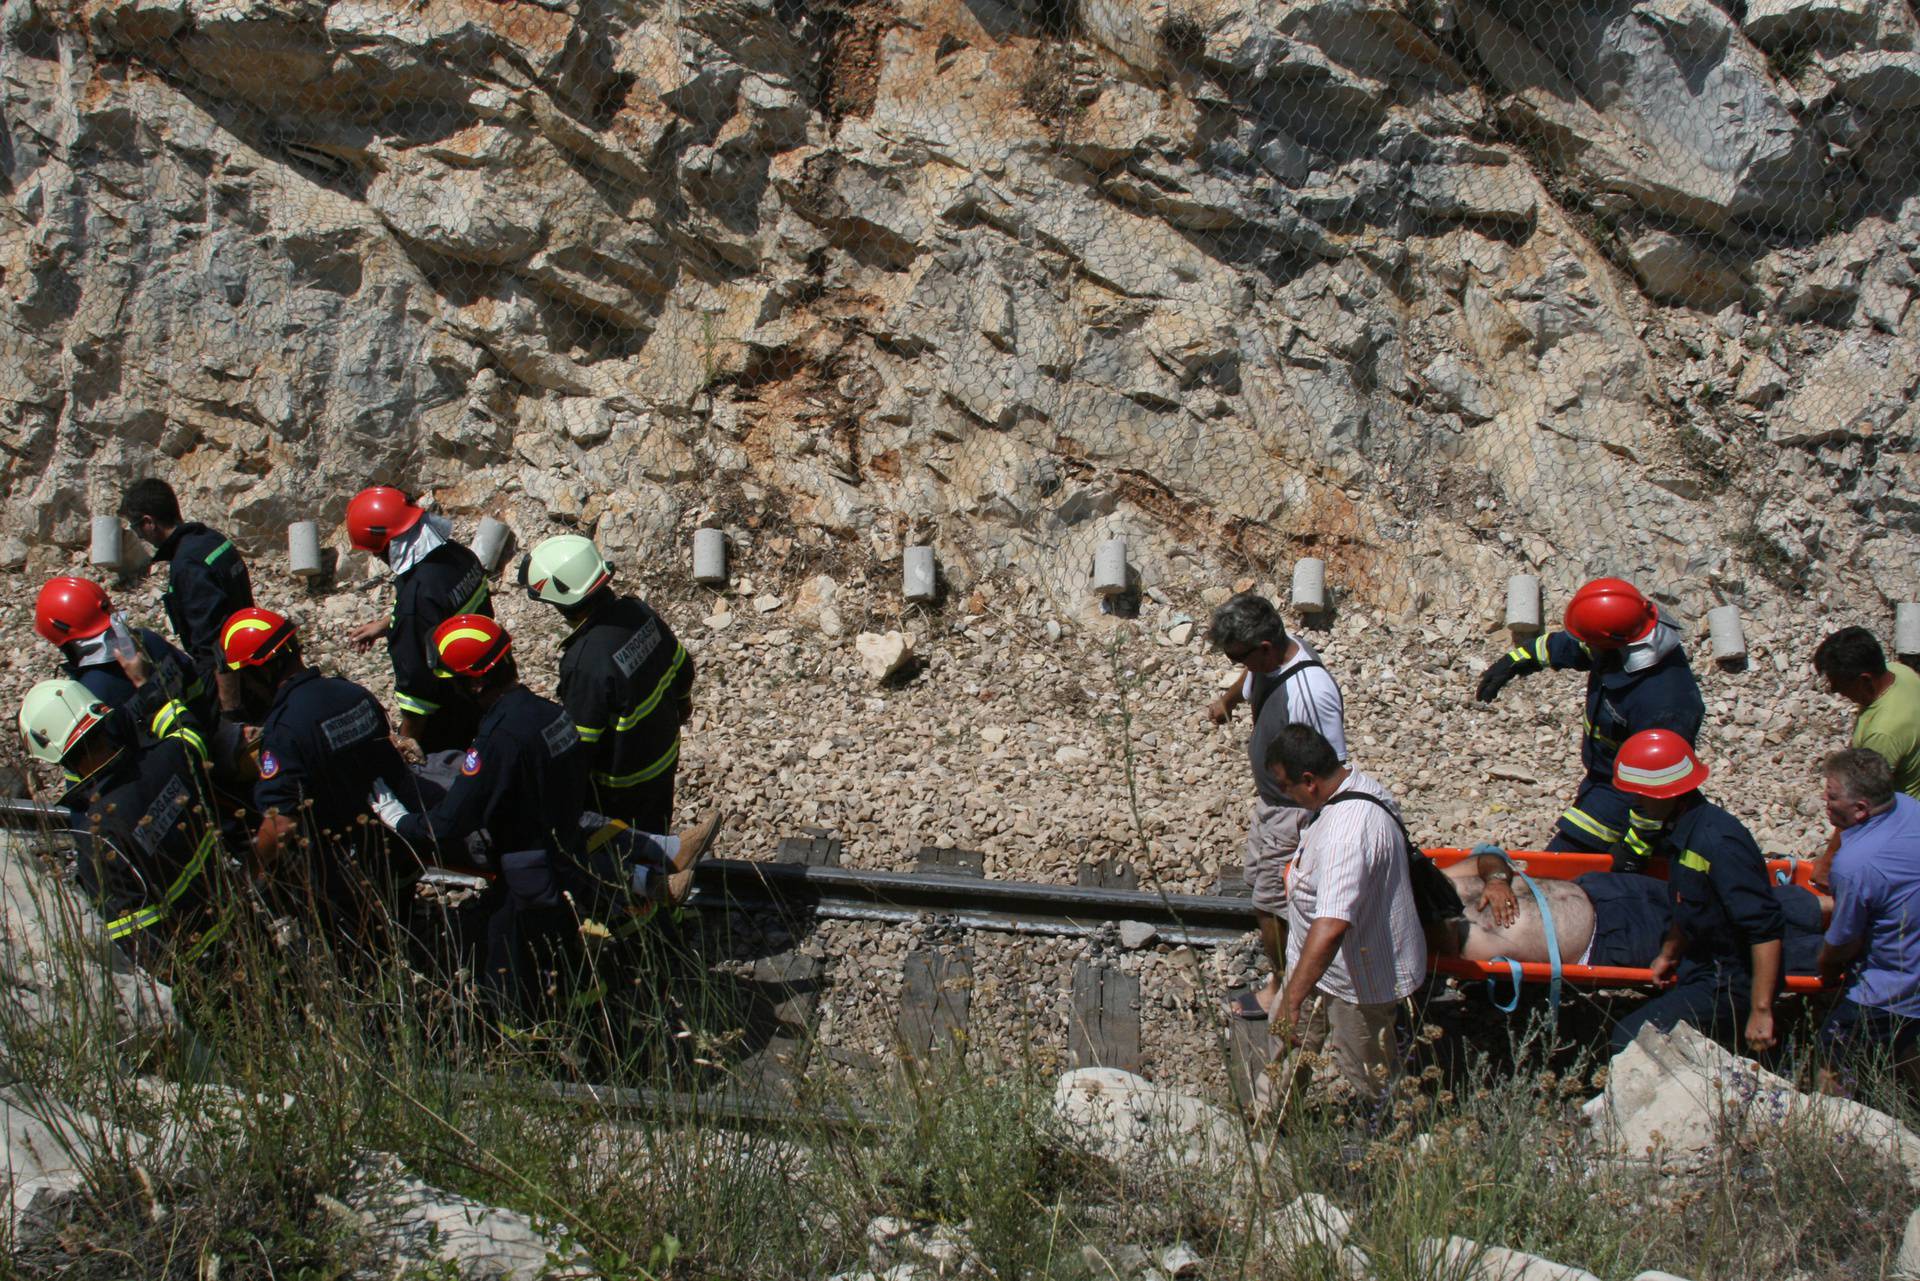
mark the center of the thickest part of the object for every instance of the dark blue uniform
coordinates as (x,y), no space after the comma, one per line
(1723,905)
(174,701)
(151,854)
(524,781)
(206,581)
(447,581)
(625,679)
(322,746)
(1619,705)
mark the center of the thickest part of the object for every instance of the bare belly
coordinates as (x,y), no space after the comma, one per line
(1526,938)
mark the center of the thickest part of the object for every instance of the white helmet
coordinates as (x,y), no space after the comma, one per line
(56,715)
(564,570)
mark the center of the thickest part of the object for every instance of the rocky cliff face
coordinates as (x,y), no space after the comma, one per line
(1438,289)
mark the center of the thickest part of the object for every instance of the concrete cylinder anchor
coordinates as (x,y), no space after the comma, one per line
(1523,603)
(303,549)
(918,581)
(105,549)
(1728,636)
(490,542)
(1906,629)
(710,557)
(1310,585)
(1110,568)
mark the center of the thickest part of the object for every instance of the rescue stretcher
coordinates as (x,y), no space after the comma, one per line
(1557,866)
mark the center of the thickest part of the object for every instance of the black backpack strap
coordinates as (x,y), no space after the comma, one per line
(1434,898)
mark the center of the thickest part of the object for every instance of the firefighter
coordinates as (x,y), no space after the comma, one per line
(324,741)
(151,855)
(624,678)
(77,617)
(206,578)
(434,579)
(1723,951)
(1638,679)
(524,782)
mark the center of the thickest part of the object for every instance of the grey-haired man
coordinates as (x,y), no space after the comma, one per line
(1285,684)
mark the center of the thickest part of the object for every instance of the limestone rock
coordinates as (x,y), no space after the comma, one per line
(1672,1096)
(1471,1261)
(1126,1119)
(431,1228)
(1906,1264)
(813,605)
(883,654)
(1683,270)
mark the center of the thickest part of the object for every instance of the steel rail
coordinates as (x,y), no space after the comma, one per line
(1022,907)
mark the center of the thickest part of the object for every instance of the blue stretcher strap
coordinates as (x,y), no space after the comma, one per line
(1553,944)
(1493,989)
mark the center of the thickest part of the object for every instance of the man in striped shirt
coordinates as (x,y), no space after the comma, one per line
(1355,946)
(1285,684)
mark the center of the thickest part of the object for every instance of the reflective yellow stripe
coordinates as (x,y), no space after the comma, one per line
(148,917)
(193,743)
(654,770)
(1595,735)
(216,553)
(590,733)
(145,918)
(1590,825)
(212,935)
(652,701)
(1540,649)
(415,706)
(1699,864)
(612,829)
(475,601)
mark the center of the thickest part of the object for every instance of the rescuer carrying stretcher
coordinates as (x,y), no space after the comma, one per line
(523,782)
(151,853)
(77,617)
(1638,679)
(624,678)
(434,579)
(324,741)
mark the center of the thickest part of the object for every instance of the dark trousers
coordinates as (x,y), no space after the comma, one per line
(533,955)
(645,807)
(1860,1033)
(1712,995)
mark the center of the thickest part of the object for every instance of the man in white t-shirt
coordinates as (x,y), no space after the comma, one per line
(1355,946)
(1285,685)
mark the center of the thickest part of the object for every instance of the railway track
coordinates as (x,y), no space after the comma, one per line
(804,884)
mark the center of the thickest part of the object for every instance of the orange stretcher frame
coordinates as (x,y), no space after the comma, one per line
(1548,865)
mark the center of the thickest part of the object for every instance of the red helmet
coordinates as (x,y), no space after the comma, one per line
(1610,613)
(252,636)
(1657,762)
(470,644)
(71,609)
(377,516)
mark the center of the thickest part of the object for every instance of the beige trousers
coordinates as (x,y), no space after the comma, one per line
(1346,1049)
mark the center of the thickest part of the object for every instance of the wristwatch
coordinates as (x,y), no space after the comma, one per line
(1504,877)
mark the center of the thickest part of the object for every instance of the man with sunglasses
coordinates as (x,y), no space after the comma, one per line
(1285,684)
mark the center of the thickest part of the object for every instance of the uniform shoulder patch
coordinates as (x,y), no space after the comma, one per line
(269,764)
(470,763)
(561,735)
(639,648)
(355,725)
(162,815)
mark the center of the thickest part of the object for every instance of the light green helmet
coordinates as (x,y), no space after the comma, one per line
(56,715)
(564,570)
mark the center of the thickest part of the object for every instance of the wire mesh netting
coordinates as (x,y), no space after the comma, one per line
(1434,290)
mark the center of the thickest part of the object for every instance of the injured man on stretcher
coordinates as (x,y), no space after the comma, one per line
(1602,918)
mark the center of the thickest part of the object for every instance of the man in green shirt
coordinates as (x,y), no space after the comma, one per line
(1887,694)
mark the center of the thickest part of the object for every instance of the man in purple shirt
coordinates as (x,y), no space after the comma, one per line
(1876,914)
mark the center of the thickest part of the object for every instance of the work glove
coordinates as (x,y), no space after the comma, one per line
(1515,662)
(387,806)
